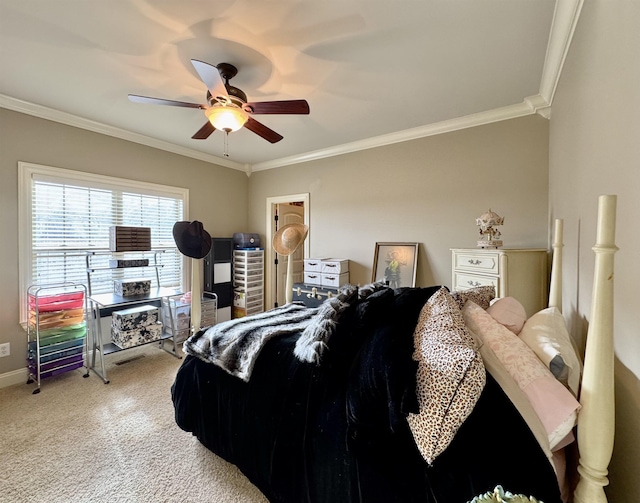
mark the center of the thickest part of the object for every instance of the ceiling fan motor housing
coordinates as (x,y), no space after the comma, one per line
(234,92)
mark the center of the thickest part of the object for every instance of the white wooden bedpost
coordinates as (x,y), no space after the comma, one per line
(596,419)
(555,289)
(196,294)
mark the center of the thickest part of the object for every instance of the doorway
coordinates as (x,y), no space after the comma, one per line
(288,209)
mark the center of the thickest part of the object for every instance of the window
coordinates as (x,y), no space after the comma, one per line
(64,214)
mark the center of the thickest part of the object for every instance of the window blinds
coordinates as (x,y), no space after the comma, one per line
(70,217)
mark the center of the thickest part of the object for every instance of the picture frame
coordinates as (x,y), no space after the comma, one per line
(395,263)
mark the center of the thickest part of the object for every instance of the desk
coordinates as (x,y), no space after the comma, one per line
(105,304)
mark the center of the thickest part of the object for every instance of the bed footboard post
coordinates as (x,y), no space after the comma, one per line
(555,289)
(597,416)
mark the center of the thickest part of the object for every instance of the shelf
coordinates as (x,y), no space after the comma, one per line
(105,300)
(96,269)
(110,347)
(103,304)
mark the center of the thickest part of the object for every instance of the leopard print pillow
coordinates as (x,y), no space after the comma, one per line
(481,295)
(450,375)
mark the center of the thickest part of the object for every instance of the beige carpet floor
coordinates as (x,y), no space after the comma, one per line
(80,440)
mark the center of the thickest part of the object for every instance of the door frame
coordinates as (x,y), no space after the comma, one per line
(270,254)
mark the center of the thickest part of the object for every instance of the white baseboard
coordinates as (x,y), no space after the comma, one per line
(14,377)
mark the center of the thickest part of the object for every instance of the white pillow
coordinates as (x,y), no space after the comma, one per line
(546,334)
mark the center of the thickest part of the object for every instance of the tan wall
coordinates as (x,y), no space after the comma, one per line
(428,191)
(594,149)
(217,195)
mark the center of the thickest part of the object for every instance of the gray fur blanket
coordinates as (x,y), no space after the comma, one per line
(235,345)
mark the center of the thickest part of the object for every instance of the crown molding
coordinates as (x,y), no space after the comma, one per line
(47,113)
(563,25)
(468,121)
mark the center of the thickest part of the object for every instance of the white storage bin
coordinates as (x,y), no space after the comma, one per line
(248,257)
(312,278)
(334,280)
(335,265)
(313,265)
(247,283)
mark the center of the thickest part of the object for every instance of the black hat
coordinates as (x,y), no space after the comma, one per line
(191,239)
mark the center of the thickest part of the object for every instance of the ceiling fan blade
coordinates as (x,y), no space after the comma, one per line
(279,107)
(210,75)
(159,101)
(261,130)
(204,132)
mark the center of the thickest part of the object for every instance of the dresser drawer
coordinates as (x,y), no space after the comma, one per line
(484,263)
(464,281)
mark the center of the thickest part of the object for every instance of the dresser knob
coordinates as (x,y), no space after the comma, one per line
(475,262)
(474,283)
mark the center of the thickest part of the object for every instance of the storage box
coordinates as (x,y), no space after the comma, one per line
(246,240)
(134,262)
(312,296)
(63,334)
(334,280)
(246,283)
(142,335)
(312,278)
(47,369)
(313,265)
(56,319)
(130,287)
(335,265)
(59,302)
(122,238)
(134,317)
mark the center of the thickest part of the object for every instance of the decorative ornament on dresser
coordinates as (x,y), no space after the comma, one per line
(487,224)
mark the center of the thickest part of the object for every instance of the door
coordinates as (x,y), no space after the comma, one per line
(275,203)
(289,213)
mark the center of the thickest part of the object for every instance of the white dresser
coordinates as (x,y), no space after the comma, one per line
(519,273)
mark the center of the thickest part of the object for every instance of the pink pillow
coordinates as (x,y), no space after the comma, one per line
(508,312)
(554,404)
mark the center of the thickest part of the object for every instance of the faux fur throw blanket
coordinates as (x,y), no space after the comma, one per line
(313,341)
(235,345)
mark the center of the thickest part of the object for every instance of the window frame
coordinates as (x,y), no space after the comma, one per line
(26,171)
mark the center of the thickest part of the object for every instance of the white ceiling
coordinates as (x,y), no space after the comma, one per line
(373,72)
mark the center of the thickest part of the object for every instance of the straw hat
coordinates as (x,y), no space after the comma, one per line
(289,237)
(191,239)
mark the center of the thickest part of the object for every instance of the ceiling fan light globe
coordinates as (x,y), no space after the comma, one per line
(226,118)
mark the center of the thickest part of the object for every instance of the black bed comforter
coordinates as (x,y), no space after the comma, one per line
(336,432)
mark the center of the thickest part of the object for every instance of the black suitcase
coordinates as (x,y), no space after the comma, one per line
(312,295)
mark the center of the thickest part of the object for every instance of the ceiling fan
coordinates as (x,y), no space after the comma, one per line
(227,108)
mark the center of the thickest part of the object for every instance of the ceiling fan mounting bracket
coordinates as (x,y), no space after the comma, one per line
(227,71)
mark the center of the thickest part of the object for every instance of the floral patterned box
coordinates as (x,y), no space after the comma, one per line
(133,318)
(129,287)
(142,335)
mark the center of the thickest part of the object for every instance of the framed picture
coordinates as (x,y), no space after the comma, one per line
(395,263)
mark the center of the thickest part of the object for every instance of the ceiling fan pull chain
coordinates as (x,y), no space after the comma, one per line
(226,143)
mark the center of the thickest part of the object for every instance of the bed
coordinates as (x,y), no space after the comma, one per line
(381,396)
